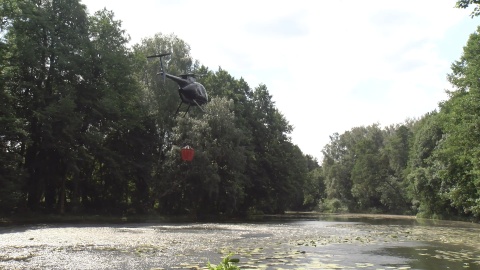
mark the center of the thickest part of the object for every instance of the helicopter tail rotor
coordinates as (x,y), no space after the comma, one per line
(162,71)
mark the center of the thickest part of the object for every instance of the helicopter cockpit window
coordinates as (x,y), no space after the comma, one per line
(202,91)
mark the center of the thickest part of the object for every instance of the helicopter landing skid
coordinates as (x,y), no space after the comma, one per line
(178,108)
(198,105)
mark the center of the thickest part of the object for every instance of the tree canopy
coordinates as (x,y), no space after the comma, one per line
(428,166)
(87,126)
(467,3)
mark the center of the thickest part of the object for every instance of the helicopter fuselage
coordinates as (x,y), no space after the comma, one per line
(190,91)
(193,94)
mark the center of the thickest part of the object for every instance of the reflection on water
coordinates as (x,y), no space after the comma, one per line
(435,257)
(285,242)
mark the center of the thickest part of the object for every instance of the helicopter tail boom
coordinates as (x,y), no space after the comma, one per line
(180,81)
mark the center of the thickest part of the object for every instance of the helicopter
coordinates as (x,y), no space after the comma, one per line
(190,91)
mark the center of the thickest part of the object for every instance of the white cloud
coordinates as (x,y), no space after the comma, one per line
(330,66)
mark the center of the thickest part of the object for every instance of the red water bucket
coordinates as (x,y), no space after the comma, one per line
(187,153)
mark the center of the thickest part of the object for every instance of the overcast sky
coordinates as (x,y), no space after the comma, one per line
(330,65)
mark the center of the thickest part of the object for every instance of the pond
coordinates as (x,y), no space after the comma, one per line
(286,242)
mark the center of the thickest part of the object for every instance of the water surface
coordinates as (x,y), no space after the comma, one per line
(289,242)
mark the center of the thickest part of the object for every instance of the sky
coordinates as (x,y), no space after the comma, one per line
(329,65)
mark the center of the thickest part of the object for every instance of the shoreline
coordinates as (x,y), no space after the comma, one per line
(289,215)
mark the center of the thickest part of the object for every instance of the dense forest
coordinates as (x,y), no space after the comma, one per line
(88,127)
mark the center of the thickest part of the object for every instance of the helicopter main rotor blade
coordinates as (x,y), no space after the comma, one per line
(159,55)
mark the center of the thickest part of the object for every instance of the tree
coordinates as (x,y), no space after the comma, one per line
(314,189)
(159,102)
(12,133)
(337,166)
(115,160)
(214,182)
(87,125)
(467,3)
(363,169)
(456,155)
(370,168)
(396,148)
(272,188)
(45,42)
(72,105)
(422,179)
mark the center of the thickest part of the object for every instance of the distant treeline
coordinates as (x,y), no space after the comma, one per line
(429,166)
(87,126)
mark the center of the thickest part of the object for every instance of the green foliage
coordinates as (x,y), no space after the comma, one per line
(457,152)
(467,3)
(12,132)
(229,142)
(333,206)
(68,88)
(364,169)
(215,182)
(43,59)
(314,188)
(422,181)
(277,167)
(86,124)
(227,263)
(430,165)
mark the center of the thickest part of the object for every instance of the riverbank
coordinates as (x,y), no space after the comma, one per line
(151,218)
(81,219)
(107,219)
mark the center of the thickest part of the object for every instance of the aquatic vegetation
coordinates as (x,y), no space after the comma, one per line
(228,263)
(299,244)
